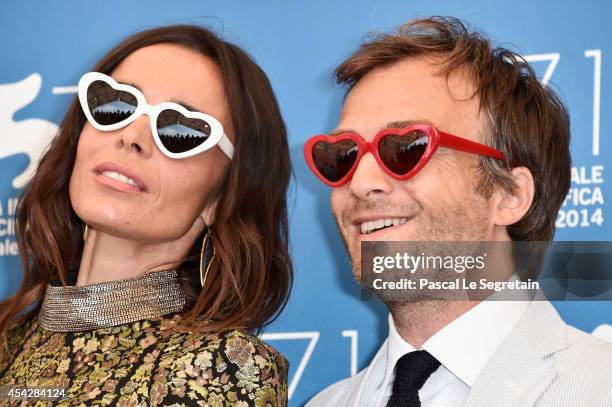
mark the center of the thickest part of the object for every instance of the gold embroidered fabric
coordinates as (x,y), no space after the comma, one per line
(148,362)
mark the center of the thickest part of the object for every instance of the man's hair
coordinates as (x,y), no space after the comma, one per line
(524,119)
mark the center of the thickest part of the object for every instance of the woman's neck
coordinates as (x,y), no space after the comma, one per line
(107,257)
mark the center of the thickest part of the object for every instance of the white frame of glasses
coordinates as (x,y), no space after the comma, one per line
(217,135)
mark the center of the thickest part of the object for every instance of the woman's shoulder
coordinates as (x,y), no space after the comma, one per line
(228,365)
(238,347)
(14,338)
(260,345)
(237,341)
(21,329)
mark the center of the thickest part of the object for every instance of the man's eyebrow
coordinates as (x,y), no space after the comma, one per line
(400,124)
(340,131)
(405,123)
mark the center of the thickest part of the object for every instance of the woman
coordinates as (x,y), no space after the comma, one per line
(152,235)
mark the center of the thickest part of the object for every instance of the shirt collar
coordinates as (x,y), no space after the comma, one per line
(466,344)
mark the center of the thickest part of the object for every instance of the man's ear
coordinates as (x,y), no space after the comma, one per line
(510,206)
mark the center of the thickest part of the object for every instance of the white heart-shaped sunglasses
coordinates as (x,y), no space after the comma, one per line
(178,132)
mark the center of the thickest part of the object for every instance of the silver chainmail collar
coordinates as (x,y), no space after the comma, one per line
(103,305)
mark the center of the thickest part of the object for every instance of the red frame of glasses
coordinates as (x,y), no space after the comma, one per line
(436,138)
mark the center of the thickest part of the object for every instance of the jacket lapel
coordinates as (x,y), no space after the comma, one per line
(517,374)
(362,390)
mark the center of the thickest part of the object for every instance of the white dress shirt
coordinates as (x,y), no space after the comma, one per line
(463,347)
(541,362)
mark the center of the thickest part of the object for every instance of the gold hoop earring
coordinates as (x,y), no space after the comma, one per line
(204,275)
(85,232)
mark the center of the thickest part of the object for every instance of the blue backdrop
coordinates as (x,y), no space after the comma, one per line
(326,332)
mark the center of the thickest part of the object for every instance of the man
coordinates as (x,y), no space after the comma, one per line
(505,183)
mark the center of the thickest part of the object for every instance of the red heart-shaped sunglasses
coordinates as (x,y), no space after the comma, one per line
(401,153)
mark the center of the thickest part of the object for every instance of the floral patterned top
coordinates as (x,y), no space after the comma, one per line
(123,343)
(145,363)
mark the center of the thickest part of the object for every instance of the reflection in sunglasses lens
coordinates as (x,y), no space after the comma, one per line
(179,133)
(109,106)
(402,153)
(334,160)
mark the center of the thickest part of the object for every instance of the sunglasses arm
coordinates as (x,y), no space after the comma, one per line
(468,146)
(226,146)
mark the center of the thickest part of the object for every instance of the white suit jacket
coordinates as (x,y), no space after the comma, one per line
(542,362)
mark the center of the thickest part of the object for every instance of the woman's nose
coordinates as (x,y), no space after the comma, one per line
(136,137)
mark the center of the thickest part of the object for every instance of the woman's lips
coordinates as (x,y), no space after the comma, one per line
(115,184)
(110,166)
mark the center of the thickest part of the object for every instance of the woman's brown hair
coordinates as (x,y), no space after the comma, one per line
(250,279)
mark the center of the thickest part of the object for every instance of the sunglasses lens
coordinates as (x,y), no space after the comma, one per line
(334,160)
(109,106)
(401,154)
(179,133)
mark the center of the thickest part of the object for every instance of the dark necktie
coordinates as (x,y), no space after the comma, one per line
(411,372)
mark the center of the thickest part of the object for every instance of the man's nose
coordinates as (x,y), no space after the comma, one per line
(369,180)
